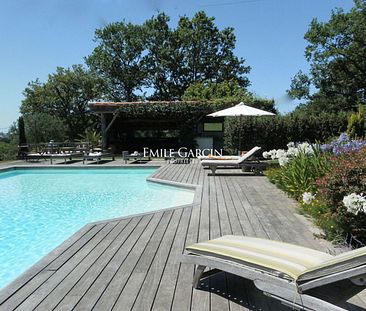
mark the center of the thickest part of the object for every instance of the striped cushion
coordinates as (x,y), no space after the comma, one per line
(275,256)
(336,264)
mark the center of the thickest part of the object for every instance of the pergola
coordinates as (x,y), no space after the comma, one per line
(107,109)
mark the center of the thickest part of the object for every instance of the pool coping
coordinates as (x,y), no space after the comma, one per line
(43,262)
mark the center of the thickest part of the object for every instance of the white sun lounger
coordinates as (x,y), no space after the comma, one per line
(243,161)
(218,158)
(300,277)
(225,157)
(64,156)
(97,156)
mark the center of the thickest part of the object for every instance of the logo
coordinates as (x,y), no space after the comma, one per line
(182,152)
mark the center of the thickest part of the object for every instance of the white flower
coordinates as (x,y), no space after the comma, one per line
(291,144)
(283,160)
(306,148)
(266,154)
(272,153)
(308,197)
(280,153)
(355,203)
(292,152)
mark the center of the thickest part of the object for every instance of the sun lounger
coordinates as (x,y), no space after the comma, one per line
(211,157)
(65,156)
(35,156)
(97,156)
(300,277)
(243,161)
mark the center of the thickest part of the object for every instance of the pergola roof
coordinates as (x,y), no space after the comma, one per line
(110,107)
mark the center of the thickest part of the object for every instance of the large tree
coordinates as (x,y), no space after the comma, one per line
(163,60)
(119,59)
(64,95)
(228,91)
(337,54)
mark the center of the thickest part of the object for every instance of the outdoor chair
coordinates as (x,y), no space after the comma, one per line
(211,157)
(29,156)
(125,156)
(97,156)
(297,276)
(225,157)
(247,160)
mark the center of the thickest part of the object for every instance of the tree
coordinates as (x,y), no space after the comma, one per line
(164,59)
(21,130)
(356,123)
(119,59)
(208,53)
(133,58)
(93,138)
(65,95)
(337,56)
(229,91)
(42,127)
(23,147)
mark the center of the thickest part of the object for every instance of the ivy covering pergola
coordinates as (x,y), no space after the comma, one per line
(185,113)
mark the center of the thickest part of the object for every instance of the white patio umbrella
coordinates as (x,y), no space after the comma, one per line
(240,110)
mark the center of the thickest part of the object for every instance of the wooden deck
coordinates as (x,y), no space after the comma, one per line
(134,263)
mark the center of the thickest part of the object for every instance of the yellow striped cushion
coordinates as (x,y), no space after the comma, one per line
(337,263)
(276,256)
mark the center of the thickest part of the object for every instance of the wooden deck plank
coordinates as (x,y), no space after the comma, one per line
(40,300)
(147,291)
(31,283)
(248,220)
(19,283)
(124,274)
(103,281)
(218,284)
(74,277)
(232,212)
(116,241)
(128,295)
(134,263)
(165,293)
(201,299)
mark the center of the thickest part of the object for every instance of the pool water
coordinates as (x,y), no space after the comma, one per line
(40,208)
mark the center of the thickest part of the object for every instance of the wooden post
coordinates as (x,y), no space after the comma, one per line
(104,131)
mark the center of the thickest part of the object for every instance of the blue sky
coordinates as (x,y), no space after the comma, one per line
(39,35)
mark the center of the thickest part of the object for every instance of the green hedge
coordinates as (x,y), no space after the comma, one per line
(8,151)
(276,132)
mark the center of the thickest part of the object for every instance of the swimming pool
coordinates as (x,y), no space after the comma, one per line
(40,208)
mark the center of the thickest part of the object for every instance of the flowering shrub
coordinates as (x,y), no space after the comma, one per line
(343,144)
(297,176)
(284,156)
(341,190)
(329,185)
(355,203)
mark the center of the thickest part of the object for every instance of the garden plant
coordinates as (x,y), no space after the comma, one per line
(329,181)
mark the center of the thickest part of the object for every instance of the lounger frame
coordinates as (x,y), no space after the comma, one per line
(256,166)
(299,296)
(98,158)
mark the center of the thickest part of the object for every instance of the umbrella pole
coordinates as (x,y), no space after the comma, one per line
(239,143)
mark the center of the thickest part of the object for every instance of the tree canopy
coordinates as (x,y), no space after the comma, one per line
(336,52)
(64,95)
(228,91)
(132,58)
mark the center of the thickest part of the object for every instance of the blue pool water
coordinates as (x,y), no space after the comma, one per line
(39,209)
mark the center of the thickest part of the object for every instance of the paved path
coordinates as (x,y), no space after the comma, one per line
(133,263)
